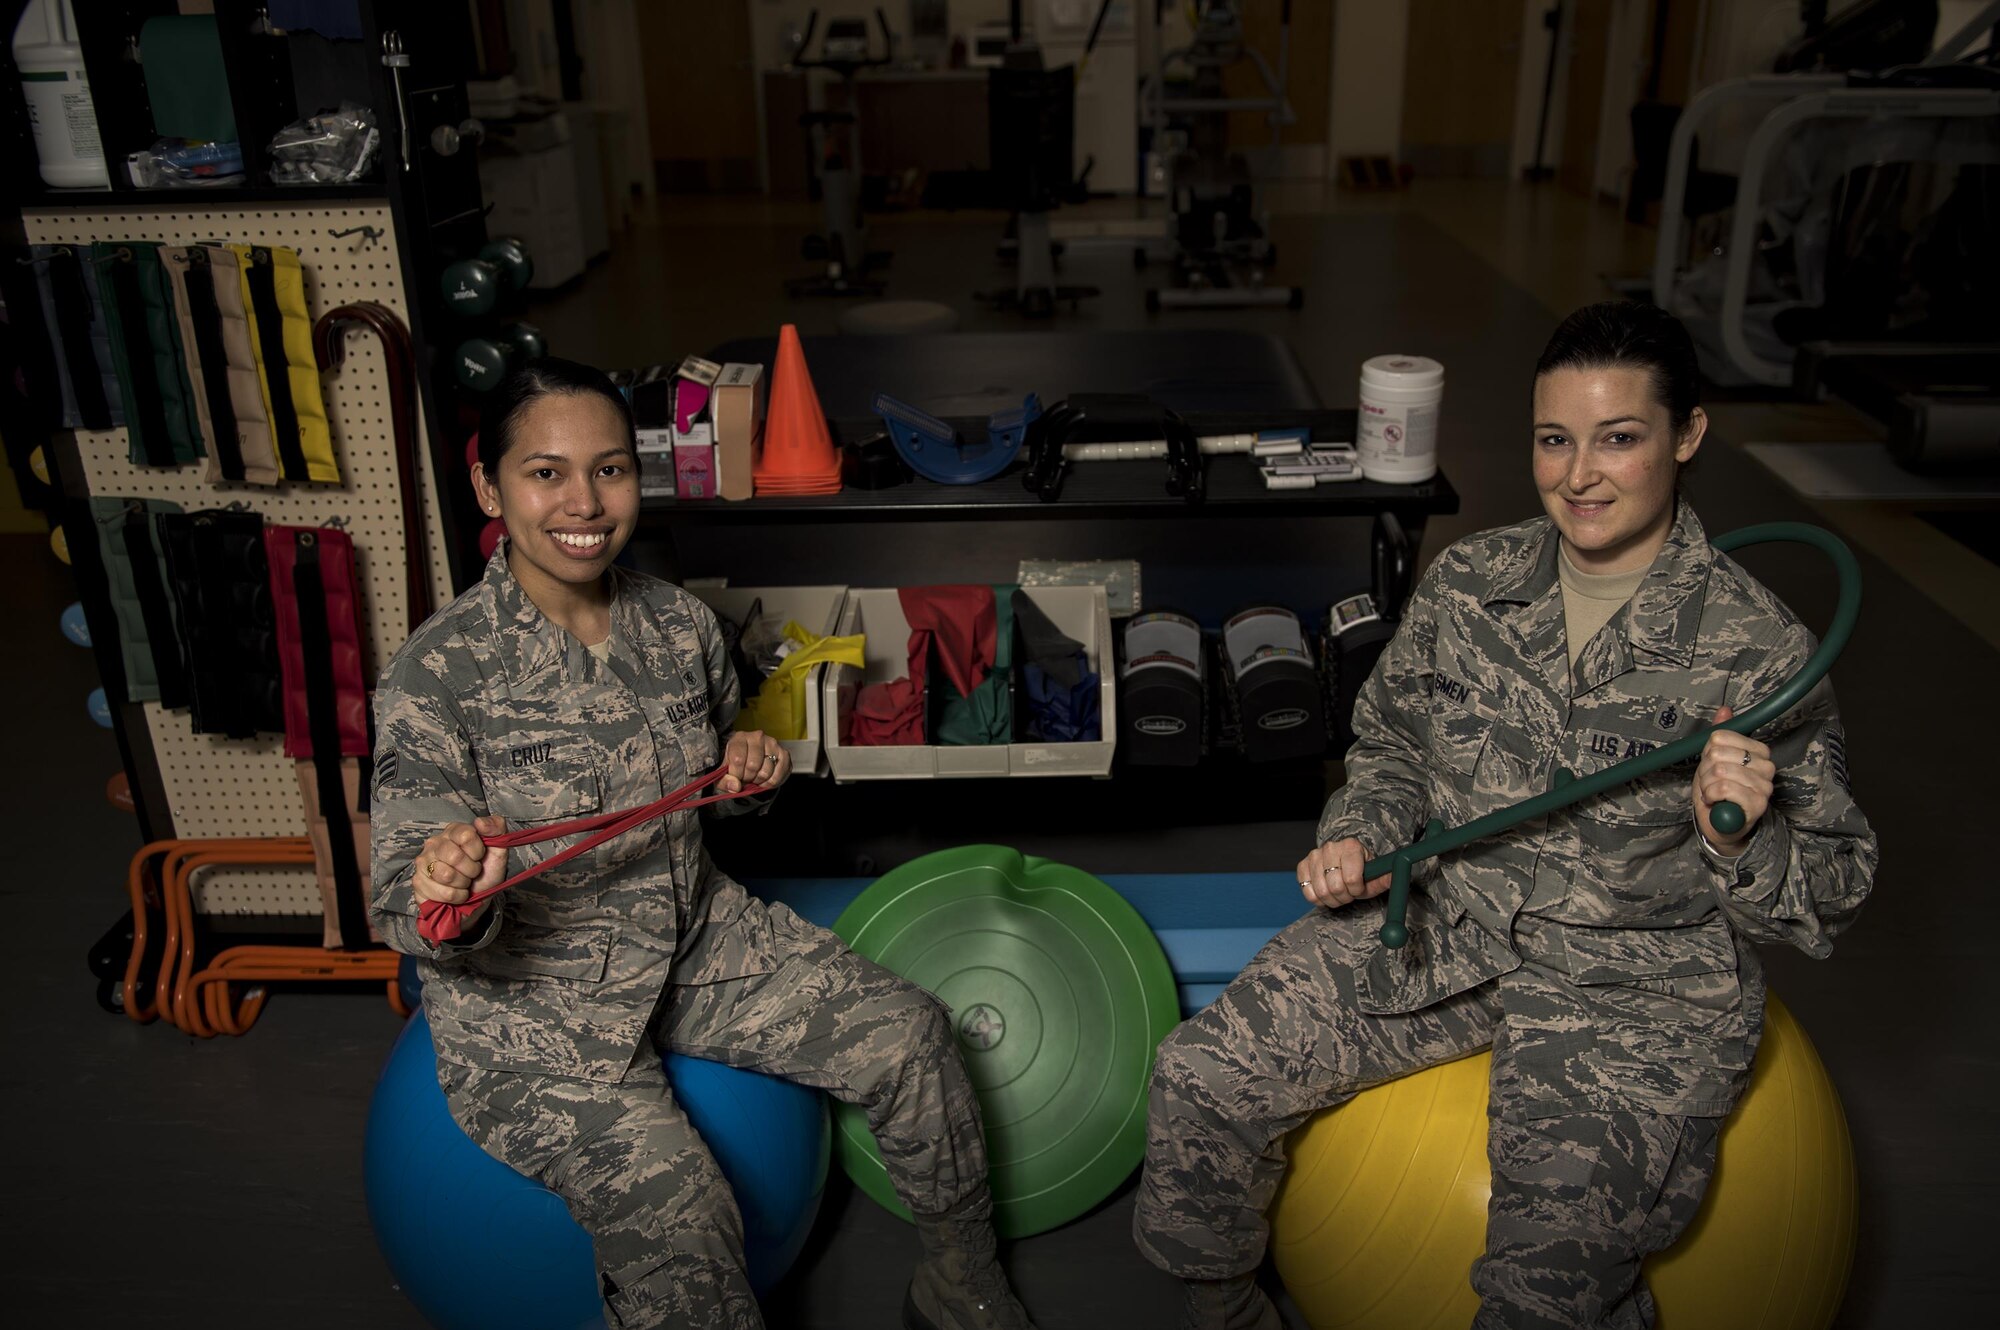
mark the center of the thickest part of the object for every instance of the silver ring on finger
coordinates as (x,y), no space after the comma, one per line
(1746,757)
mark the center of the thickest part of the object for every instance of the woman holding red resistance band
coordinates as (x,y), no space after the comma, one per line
(517,728)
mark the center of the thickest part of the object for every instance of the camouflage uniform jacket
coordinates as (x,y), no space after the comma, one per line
(492,708)
(1632,982)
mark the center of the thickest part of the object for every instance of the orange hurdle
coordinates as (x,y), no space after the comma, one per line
(200,1001)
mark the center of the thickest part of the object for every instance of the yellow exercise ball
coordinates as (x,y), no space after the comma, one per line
(1383,1210)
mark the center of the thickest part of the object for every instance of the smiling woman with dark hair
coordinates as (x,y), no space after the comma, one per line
(1606,953)
(562,686)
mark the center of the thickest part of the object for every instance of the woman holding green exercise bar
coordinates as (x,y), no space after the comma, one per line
(1605,754)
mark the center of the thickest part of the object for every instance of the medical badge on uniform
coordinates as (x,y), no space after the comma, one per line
(1670,717)
(687,677)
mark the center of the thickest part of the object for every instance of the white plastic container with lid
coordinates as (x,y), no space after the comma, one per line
(1397,431)
(58,96)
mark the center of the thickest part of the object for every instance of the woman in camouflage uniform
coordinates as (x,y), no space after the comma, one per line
(1606,953)
(562,686)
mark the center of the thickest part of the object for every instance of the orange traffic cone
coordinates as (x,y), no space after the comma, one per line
(798,456)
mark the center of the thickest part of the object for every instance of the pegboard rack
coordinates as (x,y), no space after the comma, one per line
(108,200)
(208,785)
(423,206)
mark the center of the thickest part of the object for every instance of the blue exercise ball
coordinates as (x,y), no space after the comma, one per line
(409,982)
(74,626)
(99,707)
(476,1246)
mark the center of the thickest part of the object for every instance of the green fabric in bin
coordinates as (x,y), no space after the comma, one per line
(185,81)
(986,716)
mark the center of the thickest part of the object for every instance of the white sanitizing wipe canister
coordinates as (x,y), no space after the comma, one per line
(1397,431)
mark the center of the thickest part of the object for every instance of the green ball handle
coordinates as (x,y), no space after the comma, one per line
(1395,932)
(1566,789)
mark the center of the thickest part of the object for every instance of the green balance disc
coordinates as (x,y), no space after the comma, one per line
(1059,995)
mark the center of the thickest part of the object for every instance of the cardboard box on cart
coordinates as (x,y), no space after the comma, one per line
(737,405)
(694,429)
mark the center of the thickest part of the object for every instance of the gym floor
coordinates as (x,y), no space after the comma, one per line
(175,1183)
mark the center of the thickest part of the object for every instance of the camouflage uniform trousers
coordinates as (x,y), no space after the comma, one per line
(666,1230)
(1578,1199)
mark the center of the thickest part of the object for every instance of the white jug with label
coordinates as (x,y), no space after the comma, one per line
(58,96)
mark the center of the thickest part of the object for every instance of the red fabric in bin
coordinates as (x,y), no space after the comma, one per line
(962,624)
(889,715)
(343,624)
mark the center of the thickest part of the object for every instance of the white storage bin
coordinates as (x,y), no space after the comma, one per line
(1082,612)
(814,608)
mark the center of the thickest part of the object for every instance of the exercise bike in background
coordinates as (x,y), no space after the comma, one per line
(1219,239)
(1031,131)
(850,268)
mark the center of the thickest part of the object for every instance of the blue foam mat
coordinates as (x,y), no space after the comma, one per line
(1209,924)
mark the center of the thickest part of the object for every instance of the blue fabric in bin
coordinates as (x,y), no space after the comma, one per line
(1209,924)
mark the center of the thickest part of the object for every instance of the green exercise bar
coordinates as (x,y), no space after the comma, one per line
(1567,790)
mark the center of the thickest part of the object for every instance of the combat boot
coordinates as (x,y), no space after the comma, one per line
(1228,1304)
(960,1285)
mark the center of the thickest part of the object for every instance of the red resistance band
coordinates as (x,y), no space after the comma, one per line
(438,922)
